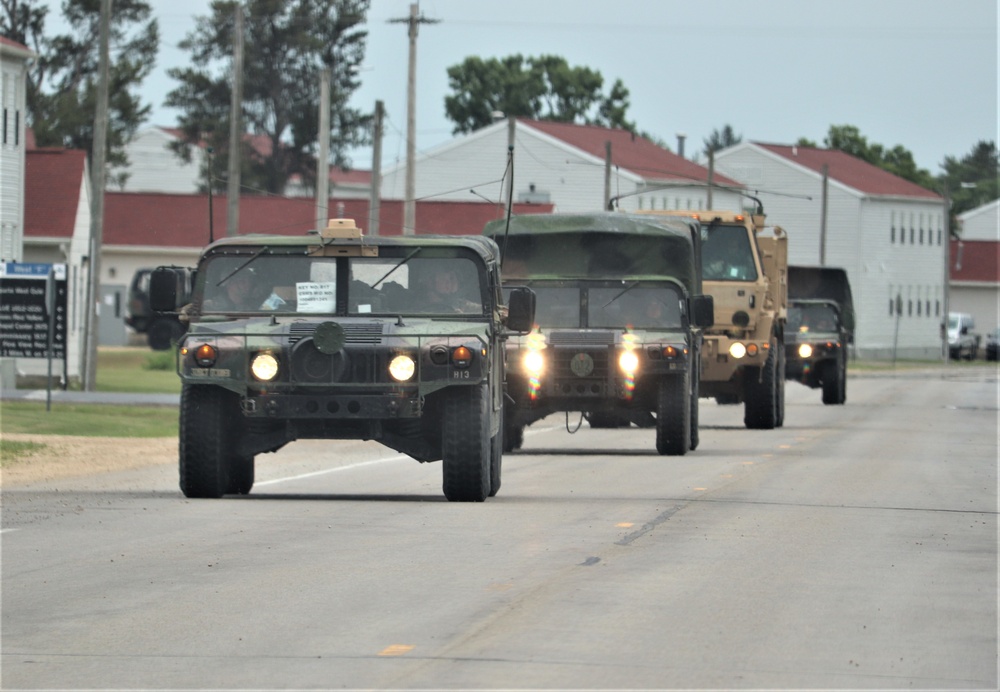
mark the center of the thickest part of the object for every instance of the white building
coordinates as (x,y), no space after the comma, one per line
(572,166)
(14,59)
(887,232)
(975,267)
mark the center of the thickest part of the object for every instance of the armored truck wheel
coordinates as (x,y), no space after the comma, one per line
(241,476)
(465,445)
(209,427)
(761,394)
(496,457)
(513,433)
(694,414)
(673,415)
(834,383)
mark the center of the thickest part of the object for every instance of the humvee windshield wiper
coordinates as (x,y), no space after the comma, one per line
(624,291)
(401,263)
(240,268)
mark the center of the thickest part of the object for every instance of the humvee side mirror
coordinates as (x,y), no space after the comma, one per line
(168,288)
(521,309)
(702,311)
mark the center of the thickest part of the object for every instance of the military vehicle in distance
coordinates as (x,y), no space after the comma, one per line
(161,330)
(820,327)
(617,332)
(337,336)
(745,270)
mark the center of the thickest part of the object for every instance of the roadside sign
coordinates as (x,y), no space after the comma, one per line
(32,307)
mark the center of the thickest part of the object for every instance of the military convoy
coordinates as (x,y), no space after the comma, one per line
(820,327)
(336,337)
(617,333)
(745,270)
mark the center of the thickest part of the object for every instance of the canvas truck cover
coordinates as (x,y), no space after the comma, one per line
(604,245)
(822,283)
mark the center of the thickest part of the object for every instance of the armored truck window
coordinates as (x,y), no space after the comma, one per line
(726,254)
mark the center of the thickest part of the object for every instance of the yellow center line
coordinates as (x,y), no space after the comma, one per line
(396,650)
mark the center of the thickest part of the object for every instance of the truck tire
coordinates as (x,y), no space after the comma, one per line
(780,378)
(513,433)
(694,411)
(241,476)
(760,401)
(673,415)
(163,333)
(465,445)
(834,383)
(496,457)
(209,429)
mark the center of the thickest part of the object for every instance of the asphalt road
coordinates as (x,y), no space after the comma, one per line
(855,548)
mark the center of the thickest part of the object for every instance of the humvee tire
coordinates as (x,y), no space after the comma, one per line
(465,445)
(208,421)
(496,457)
(694,414)
(241,476)
(834,383)
(673,415)
(513,434)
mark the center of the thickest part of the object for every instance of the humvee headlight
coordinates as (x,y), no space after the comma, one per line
(737,350)
(402,368)
(205,356)
(264,367)
(805,350)
(534,363)
(628,362)
(461,357)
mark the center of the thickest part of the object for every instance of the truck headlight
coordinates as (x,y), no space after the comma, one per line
(534,363)
(628,362)
(402,368)
(805,350)
(264,367)
(737,350)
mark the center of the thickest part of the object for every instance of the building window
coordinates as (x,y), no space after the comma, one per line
(937,308)
(4,125)
(909,307)
(928,303)
(939,236)
(17,128)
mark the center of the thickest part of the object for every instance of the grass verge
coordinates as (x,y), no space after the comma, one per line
(87,420)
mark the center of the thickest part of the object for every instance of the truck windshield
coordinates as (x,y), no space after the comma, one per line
(726,254)
(812,318)
(641,307)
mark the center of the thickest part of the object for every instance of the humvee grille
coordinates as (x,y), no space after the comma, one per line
(576,338)
(370,333)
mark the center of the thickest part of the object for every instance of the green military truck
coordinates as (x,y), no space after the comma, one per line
(820,327)
(617,329)
(336,336)
(745,270)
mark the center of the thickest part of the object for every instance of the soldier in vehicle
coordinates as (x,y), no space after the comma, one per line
(442,293)
(726,256)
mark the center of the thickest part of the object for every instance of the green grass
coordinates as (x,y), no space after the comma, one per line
(87,420)
(13,452)
(137,370)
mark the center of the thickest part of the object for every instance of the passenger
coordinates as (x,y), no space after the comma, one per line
(725,256)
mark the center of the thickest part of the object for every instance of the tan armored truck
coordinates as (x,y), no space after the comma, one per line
(745,270)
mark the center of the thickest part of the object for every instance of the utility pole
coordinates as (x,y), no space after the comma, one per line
(375,195)
(97,177)
(323,162)
(235,129)
(607,175)
(711,178)
(409,200)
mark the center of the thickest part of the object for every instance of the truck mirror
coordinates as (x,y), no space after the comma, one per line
(702,311)
(521,309)
(166,289)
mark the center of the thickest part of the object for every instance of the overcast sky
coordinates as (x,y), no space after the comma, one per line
(918,73)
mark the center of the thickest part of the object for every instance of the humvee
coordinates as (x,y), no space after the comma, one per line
(617,332)
(335,339)
(746,273)
(820,327)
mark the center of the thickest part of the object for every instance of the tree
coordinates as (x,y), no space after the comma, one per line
(721,139)
(62,83)
(287,43)
(543,88)
(972,180)
(898,160)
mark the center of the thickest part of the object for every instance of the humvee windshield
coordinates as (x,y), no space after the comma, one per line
(309,285)
(607,307)
(726,254)
(811,318)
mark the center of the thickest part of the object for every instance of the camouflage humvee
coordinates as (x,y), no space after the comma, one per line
(617,332)
(333,336)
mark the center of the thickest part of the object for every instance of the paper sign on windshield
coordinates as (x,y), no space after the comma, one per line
(315,296)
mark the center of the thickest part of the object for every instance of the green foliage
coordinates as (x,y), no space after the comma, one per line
(161,360)
(972,180)
(542,88)
(137,370)
(898,160)
(286,45)
(87,420)
(62,82)
(721,139)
